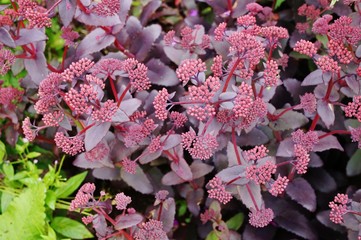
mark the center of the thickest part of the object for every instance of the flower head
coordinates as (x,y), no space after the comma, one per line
(338,208)
(160,104)
(279,186)
(218,191)
(260,218)
(151,230)
(122,201)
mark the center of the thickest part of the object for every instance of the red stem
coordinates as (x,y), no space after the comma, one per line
(86,128)
(334,132)
(252,197)
(107,217)
(314,122)
(120,47)
(160,211)
(235,146)
(123,94)
(234,67)
(233,180)
(53,69)
(63,58)
(229,6)
(114,90)
(54,6)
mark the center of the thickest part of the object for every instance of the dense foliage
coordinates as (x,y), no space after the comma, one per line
(196,119)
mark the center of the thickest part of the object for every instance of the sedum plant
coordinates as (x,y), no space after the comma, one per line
(238,109)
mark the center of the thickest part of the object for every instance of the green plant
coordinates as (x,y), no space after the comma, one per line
(30,195)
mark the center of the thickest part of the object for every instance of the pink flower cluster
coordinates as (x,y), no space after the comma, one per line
(7,59)
(256,153)
(338,208)
(271,73)
(137,73)
(260,218)
(353,109)
(279,186)
(302,159)
(122,201)
(98,153)
(306,140)
(69,145)
(151,230)
(200,147)
(305,47)
(308,102)
(105,112)
(160,104)
(261,174)
(189,69)
(107,8)
(82,198)
(246,46)
(76,69)
(218,191)
(327,64)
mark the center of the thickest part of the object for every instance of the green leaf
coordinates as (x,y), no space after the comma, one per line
(33,155)
(50,199)
(25,216)
(212,236)
(278,3)
(235,222)
(298,55)
(8,170)
(2,151)
(51,234)
(333,2)
(70,228)
(322,39)
(71,185)
(6,199)
(353,167)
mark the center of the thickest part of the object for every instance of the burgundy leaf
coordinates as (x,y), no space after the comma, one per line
(326,143)
(314,78)
(95,134)
(296,223)
(139,181)
(27,36)
(107,173)
(167,213)
(36,68)
(129,106)
(302,192)
(324,218)
(245,192)
(149,10)
(171,178)
(289,120)
(194,197)
(286,148)
(127,220)
(182,169)
(67,11)
(6,38)
(177,55)
(96,20)
(326,112)
(232,155)
(200,169)
(321,180)
(161,74)
(95,41)
(231,173)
